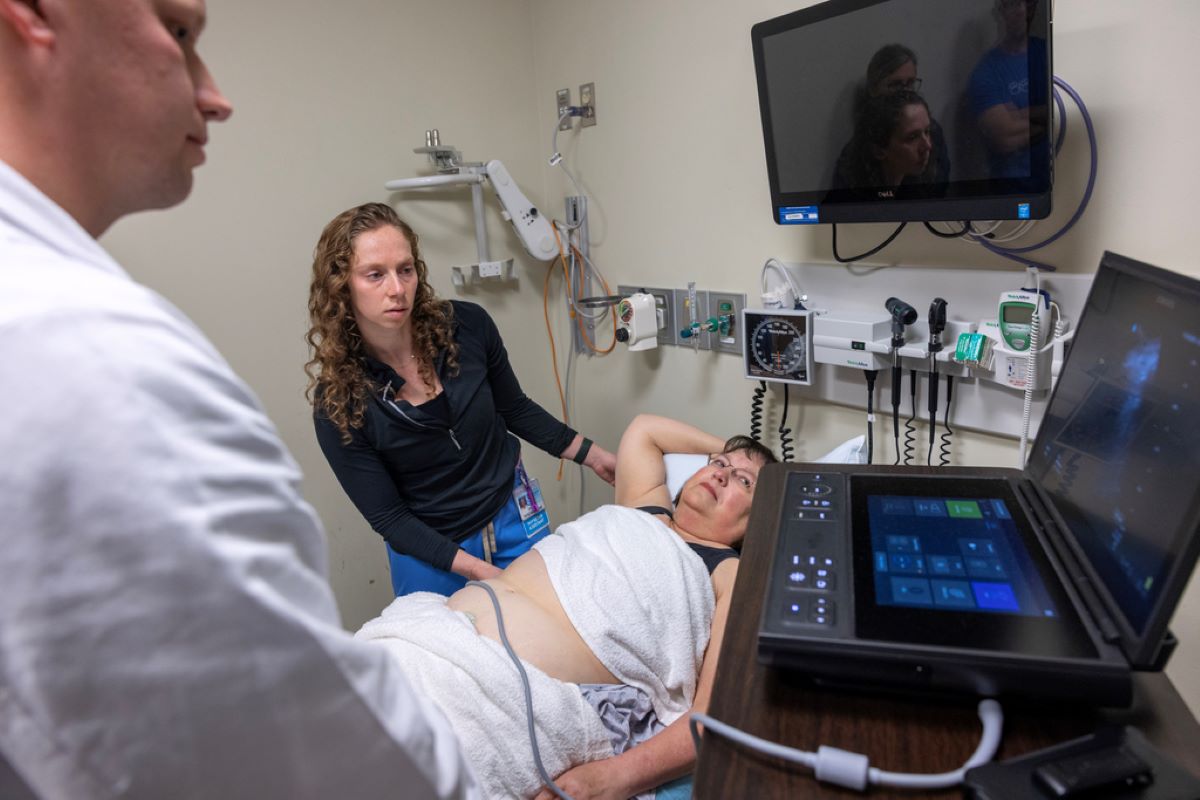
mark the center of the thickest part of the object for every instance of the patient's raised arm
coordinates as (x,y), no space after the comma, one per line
(641,473)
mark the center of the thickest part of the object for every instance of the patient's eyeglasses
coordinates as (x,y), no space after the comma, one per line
(744,477)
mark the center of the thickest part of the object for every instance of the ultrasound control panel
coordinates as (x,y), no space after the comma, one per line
(811,588)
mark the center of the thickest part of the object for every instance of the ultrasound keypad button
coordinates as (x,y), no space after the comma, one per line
(826,584)
(816,489)
(795,611)
(911,591)
(799,578)
(822,615)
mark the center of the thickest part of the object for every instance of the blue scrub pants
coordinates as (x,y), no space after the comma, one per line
(414,575)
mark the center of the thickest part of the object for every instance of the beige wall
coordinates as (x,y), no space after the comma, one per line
(331,98)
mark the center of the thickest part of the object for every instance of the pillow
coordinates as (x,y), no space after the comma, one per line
(681,466)
(851,451)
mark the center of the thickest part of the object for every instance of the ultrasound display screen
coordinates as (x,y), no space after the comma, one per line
(1119,449)
(953,554)
(953,561)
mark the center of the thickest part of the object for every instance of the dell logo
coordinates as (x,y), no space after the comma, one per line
(888,193)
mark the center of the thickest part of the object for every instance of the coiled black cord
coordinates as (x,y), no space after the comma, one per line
(756,411)
(785,433)
(910,428)
(871,374)
(944,446)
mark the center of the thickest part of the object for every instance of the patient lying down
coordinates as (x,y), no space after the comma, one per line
(620,596)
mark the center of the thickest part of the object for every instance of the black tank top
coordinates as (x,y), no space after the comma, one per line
(711,556)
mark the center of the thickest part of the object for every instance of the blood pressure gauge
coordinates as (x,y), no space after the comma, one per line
(777,345)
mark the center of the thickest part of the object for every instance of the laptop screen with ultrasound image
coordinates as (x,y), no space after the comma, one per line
(1119,447)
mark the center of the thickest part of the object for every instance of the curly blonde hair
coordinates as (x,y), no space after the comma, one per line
(338,383)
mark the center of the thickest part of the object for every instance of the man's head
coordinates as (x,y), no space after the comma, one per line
(107,102)
(714,503)
(1016,18)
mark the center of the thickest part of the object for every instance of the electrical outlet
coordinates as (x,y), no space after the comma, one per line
(728,339)
(563,98)
(587,99)
(684,318)
(664,303)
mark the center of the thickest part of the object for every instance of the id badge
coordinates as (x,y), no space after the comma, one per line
(531,507)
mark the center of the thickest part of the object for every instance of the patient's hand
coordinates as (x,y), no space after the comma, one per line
(592,781)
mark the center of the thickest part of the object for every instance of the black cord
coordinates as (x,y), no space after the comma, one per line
(941,235)
(933,398)
(910,429)
(886,242)
(785,438)
(756,411)
(897,379)
(944,447)
(871,374)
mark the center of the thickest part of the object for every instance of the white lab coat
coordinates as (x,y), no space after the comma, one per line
(166,628)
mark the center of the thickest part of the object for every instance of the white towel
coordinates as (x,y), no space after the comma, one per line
(474,682)
(639,596)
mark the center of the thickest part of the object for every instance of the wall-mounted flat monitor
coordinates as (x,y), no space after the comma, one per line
(907,110)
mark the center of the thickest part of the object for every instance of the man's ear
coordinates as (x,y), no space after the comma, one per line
(28,21)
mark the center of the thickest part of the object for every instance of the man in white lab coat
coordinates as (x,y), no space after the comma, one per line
(166,628)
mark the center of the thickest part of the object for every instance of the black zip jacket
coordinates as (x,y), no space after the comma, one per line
(425,484)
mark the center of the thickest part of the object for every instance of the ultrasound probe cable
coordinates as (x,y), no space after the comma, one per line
(537,755)
(854,770)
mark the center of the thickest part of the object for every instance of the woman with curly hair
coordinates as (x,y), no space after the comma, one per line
(892,144)
(414,400)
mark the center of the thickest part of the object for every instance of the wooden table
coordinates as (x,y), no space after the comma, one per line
(897,733)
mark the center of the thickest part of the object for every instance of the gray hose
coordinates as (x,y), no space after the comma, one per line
(537,756)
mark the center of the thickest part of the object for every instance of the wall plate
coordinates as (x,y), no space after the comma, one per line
(664,301)
(587,98)
(562,99)
(731,303)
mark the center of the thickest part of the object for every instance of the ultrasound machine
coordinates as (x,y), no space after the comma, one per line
(1052,581)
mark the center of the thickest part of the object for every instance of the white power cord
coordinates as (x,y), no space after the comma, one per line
(1035,340)
(778,298)
(853,770)
(556,160)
